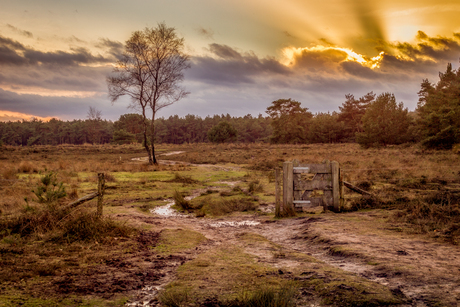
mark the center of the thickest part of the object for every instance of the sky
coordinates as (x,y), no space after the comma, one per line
(55,55)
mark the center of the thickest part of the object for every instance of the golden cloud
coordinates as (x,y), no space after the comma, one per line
(6,116)
(320,55)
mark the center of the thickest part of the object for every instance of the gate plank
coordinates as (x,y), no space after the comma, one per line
(312,185)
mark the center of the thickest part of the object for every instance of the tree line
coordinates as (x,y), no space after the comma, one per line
(372,120)
(129,129)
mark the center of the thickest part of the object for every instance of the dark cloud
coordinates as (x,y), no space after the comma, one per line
(231,67)
(9,43)
(327,61)
(77,57)
(22,32)
(15,53)
(226,80)
(76,70)
(225,52)
(358,70)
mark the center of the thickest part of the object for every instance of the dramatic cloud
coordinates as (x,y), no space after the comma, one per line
(228,67)
(77,72)
(224,80)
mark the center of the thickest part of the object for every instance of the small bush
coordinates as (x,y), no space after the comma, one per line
(49,189)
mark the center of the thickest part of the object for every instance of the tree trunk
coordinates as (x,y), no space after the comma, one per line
(146,142)
(152,140)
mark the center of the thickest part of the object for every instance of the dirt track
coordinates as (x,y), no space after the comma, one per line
(425,272)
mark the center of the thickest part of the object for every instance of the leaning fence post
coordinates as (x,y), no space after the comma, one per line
(277,193)
(335,185)
(288,189)
(100,193)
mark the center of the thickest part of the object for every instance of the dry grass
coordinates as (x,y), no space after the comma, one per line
(420,187)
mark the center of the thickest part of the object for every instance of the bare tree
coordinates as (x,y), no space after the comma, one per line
(94,117)
(150,72)
(94,114)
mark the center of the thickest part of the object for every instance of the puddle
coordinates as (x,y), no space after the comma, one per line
(233,224)
(167,211)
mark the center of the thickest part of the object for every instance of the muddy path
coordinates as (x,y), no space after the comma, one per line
(427,273)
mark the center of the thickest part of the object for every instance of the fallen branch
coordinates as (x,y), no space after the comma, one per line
(81,200)
(356,189)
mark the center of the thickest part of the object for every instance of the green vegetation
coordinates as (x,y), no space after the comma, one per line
(439,110)
(385,122)
(223,132)
(50,190)
(289,121)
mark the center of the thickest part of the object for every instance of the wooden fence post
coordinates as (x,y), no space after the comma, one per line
(288,189)
(100,192)
(277,193)
(335,185)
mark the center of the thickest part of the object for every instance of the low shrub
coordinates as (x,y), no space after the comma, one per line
(89,227)
(437,214)
(180,201)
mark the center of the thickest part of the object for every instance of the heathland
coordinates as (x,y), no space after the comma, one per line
(221,245)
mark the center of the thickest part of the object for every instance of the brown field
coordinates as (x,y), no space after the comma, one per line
(399,247)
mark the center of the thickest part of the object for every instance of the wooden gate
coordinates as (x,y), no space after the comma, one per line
(312,185)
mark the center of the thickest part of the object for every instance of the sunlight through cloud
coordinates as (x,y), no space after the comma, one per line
(291,54)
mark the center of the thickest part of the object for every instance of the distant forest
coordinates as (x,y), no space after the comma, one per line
(372,121)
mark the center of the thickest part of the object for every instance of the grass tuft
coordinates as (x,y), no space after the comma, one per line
(180,201)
